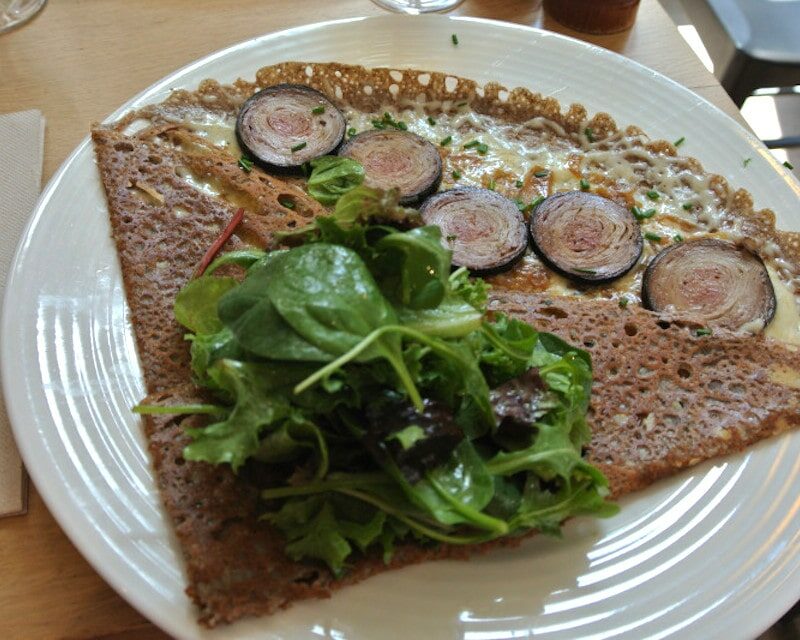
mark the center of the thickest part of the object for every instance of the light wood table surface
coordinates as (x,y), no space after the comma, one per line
(77,62)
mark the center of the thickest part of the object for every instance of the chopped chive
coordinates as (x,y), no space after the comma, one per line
(542,174)
(623,302)
(537,202)
(520,204)
(642,215)
(402,126)
(456,175)
(451,237)
(788,165)
(297,147)
(317,110)
(519,184)
(431,121)
(462,104)
(585,184)
(246,164)
(446,141)
(653,195)
(482,148)
(677,237)
(378,124)
(746,161)
(679,142)
(454,39)
(652,237)
(581,270)
(351,131)
(688,205)
(471,144)
(589,134)
(703,332)
(492,184)
(286,202)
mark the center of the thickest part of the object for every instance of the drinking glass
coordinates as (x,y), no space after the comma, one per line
(14,12)
(415,7)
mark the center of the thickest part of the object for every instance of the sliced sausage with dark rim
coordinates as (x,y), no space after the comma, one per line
(396,160)
(485,230)
(715,282)
(287,125)
(586,237)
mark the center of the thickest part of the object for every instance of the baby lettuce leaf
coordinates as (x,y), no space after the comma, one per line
(333,176)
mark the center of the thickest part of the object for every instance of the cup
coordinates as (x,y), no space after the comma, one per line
(14,12)
(593,16)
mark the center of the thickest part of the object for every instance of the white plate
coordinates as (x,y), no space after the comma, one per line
(710,553)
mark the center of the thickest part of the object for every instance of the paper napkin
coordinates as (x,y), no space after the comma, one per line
(21,149)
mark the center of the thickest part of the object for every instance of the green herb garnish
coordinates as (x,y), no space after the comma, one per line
(351,132)
(318,110)
(703,332)
(491,186)
(679,142)
(519,184)
(788,165)
(446,141)
(623,302)
(746,161)
(298,146)
(589,134)
(653,195)
(286,201)
(456,175)
(471,144)
(642,215)
(688,206)
(677,237)
(585,186)
(431,121)
(246,164)
(542,174)
(652,237)
(454,39)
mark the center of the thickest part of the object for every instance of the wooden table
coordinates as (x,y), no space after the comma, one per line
(77,62)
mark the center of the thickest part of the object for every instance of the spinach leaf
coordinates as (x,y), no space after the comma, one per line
(413,267)
(333,176)
(453,318)
(196,303)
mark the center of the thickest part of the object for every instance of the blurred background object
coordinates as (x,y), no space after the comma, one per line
(418,6)
(753,48)
(14,12)
(593,16)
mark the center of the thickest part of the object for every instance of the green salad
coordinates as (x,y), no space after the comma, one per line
(373,382)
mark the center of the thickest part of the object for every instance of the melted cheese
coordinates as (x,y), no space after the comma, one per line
(620,163)
(785,326)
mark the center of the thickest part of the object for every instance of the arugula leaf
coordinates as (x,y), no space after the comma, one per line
(333,176)
(260,401)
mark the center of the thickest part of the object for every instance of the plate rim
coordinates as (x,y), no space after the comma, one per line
(67,520)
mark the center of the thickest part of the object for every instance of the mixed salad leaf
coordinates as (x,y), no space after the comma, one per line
(377,386)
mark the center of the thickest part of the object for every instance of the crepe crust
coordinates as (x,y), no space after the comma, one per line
(162,225)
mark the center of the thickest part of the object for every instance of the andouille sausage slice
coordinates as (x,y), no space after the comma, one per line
(715,282)
(485,230)
(586,237)
(396,160)
(286,125)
